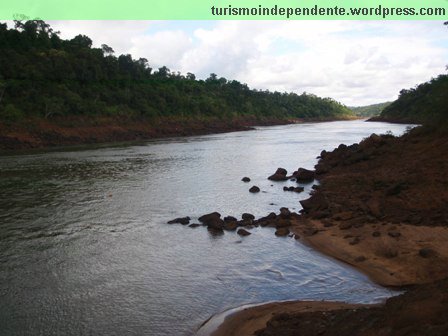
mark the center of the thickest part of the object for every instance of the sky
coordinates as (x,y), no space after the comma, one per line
(355,62)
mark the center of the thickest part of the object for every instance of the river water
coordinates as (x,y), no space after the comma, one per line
(84,248)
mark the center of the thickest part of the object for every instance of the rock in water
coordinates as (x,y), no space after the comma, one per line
(247,216)
(210,217)
(243,232)
(230,219)
(180,220)
(314,203)
(282,232)
(230,226)
(279,175)
(245,179)
(304,175)
(285,213)
(254,189)
(213,221)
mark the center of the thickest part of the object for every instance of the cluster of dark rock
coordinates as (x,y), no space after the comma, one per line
(301,175)
(282,221)
(217,225)
(294,189)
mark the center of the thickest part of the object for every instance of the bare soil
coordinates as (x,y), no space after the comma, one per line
(80,130)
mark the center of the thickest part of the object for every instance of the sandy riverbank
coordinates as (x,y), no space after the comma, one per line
(381,207)
(249,320)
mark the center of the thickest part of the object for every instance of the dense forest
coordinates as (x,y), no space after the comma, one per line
(369,110)
(426,103)
(44,76)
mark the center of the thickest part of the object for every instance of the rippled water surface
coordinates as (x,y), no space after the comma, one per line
(84,248)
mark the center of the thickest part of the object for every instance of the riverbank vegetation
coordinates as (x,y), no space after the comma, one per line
(45,76)
(369,110)
(57,92)
(427,103)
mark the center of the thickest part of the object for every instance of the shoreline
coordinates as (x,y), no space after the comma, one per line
(375,213)
(247,319)
(38,133)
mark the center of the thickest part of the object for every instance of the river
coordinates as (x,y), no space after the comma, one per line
(85,248)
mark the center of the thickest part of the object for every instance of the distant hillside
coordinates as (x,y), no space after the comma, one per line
(369,110)
(42,75)
(427,104)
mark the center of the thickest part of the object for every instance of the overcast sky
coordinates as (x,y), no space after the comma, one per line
(354,62)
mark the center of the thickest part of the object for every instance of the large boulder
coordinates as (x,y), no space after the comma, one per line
(213,221)
(304,175)
(279,175)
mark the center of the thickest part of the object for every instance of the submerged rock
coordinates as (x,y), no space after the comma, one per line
(214,231)
(180,220)
(282,232)
(243,232)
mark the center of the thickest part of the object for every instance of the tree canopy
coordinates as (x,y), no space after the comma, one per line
(426,103)
(43,75)
(369,110)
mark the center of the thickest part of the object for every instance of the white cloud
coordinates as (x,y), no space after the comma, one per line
(354,62)
(161,48)
(117,34)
